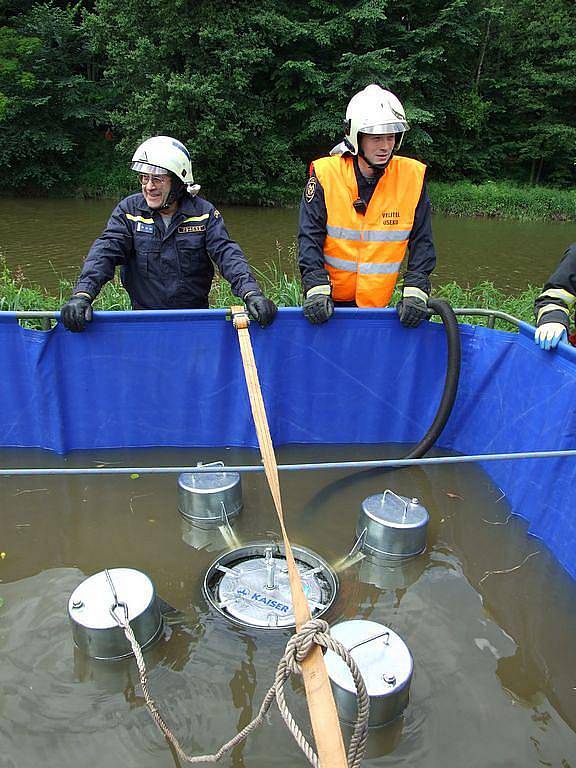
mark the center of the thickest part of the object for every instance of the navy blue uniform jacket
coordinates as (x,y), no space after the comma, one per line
(166,269)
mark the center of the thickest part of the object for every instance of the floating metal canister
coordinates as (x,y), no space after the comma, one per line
(392,526)
(209,498)
(385,664)
(120,591)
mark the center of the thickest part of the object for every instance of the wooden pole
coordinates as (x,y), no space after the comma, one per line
(323,714)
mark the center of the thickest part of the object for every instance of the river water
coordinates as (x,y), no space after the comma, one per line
(48,238)
(487,614)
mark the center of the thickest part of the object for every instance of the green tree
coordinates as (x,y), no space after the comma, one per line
(258,91)
(48,104)
(531,75)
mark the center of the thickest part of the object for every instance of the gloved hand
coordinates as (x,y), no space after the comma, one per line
(262,309)
(412,310)
(549,335)
(318,306)
(77,312)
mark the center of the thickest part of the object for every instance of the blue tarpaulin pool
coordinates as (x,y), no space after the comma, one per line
(175,379)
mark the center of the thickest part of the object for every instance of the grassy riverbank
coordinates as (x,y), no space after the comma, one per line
(503,200)
(17,294)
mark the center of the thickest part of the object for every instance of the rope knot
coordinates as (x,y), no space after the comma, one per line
(298,647)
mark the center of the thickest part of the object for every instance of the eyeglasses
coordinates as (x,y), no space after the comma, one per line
(156,180)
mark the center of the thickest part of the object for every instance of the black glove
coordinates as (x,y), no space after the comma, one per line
(262,309)
(318,306)
(411,311)
(76,313)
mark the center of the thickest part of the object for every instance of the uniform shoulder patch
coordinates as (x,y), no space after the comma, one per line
(310,190)
(217,213)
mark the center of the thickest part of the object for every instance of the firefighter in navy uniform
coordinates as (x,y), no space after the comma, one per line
(362,207)
(554,305)
(164,240)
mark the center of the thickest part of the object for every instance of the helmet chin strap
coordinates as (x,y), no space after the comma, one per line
(177,191)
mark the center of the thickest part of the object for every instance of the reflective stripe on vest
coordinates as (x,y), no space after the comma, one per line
(363,253)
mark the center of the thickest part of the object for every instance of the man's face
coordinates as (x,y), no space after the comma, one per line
(377,147)
(155,189)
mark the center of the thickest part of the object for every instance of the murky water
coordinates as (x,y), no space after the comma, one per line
(487,614)
(48,238)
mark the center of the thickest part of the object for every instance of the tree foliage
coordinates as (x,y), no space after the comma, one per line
(258,90)
(48,104)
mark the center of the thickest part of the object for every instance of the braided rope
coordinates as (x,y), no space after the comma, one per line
(315,631)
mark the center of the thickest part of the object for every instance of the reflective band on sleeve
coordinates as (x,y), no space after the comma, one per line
(139,218)
(552,308)
(323,290)
(386,268)
(196,218)
(415,292)
(559,293)
(368,235)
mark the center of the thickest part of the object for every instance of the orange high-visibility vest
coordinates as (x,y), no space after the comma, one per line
(363,253)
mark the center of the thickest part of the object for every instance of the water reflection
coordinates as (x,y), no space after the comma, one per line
(382,741)
(396,575)
(242,689)
(211,539)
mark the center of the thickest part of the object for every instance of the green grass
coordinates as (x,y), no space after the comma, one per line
(503,200)
(279,280)
(283,286)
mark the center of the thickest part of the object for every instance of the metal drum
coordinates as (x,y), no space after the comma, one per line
(392,526)
(385,664)
(94,628)
(209,498)
(250,585)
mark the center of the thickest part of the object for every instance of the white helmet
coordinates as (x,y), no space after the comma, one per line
(373,110)
(162,153)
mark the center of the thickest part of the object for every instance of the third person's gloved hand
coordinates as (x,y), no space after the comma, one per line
(262,309)
(77,312)
(412,310)
(318,306)
(549,335)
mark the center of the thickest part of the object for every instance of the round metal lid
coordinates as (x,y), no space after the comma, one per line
(381,655)
(208,482)
(250,585)
(89,604)
(395,511)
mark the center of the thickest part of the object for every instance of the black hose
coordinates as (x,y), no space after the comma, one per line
(442,308)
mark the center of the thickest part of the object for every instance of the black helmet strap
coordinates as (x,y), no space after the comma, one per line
(177,191)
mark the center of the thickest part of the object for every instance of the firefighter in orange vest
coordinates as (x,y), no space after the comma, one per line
(362,207)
